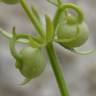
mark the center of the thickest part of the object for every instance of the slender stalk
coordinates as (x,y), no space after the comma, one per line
(57,70)
(32,17)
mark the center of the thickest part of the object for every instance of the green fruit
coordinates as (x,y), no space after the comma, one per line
(33,62)
(67,31)
(10,1)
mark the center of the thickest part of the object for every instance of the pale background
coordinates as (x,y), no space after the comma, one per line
(79,71)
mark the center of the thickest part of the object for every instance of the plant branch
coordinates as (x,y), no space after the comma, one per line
(32,17)
(9,36)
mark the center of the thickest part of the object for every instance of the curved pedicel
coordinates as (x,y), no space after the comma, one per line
(62,8)
(78,51)
(13,42)
(9,36)
(81,52)
(16,37)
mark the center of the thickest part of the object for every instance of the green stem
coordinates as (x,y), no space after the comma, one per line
(32,17)
(57,70)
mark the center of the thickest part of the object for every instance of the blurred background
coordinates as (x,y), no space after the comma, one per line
(79,71)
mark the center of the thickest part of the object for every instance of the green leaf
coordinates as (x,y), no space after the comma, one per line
(32,17)
(34,10)
(49,29)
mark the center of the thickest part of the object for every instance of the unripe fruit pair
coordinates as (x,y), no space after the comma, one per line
(32,62)
(79,33)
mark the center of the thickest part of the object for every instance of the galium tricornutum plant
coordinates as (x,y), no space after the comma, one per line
(67,29)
